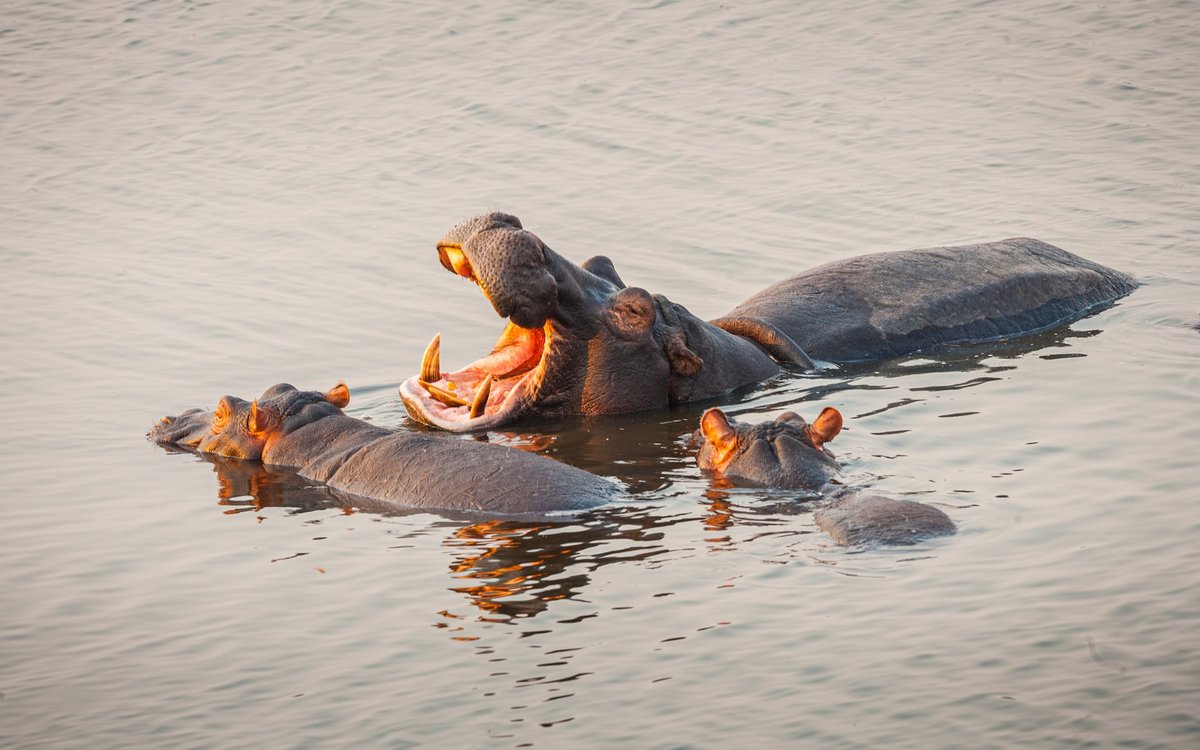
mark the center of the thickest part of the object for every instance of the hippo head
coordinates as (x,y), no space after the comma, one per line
(787,452)
(577,340)
(237,428)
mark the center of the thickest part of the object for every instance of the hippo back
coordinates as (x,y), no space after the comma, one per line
(423,470)
(863,518)
(884,305)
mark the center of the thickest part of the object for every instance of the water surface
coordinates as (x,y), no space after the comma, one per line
(209,198)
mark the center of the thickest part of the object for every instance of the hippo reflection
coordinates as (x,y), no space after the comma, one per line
(790,453)
(579,341)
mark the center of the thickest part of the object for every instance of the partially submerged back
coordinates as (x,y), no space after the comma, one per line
(864,518)
(874,307)
(435,470)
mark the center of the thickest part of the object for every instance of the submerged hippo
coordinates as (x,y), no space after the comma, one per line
(791,453)
(306,431)
(578,341)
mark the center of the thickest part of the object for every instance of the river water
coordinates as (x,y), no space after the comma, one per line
(202,198)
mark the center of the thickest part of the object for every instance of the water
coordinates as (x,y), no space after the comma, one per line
(208,198)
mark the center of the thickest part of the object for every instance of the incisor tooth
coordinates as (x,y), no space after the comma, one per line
(431,363)
(481,397)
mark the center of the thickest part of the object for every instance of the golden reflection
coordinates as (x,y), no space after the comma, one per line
(507,564)
(248,486)
(507,569)
(720,511)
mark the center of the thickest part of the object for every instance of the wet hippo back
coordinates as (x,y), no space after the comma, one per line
(414,469)
(862,518)
(452,474)
(884,305)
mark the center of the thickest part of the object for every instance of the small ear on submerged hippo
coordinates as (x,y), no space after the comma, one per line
(718,433)
(263,419)
(339,395)
(826,427)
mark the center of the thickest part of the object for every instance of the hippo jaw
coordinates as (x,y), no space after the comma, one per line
(491,391)
(576,341)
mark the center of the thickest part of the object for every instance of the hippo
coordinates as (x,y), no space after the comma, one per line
(790,453)
(578,341)
(307,432)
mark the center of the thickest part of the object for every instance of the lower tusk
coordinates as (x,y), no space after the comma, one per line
(446,397)
(431,362)
(481,397)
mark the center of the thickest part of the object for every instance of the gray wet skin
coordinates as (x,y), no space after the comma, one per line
(790,453)
(306,432)
(579,342)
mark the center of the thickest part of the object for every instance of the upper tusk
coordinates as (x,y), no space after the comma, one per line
(431,362)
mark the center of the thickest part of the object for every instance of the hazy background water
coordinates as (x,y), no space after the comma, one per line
(208,198)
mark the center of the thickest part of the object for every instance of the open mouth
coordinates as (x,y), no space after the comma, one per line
(490,391)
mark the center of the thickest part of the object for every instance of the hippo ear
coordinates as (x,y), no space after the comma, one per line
(827,426)
(263,419)
(718,433)
(339,395)
(684,361)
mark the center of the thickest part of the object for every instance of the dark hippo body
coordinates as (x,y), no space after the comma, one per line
(885,305)
(578,341)
(856,518)
(788,452)
(306,432)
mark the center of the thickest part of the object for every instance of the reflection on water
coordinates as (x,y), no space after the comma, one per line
(507,569)
(245,486)
(514,570)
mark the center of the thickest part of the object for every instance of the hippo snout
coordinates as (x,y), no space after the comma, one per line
(189,428)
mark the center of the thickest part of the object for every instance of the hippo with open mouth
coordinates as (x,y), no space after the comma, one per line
(790,453)
(580,342)
(307,432)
